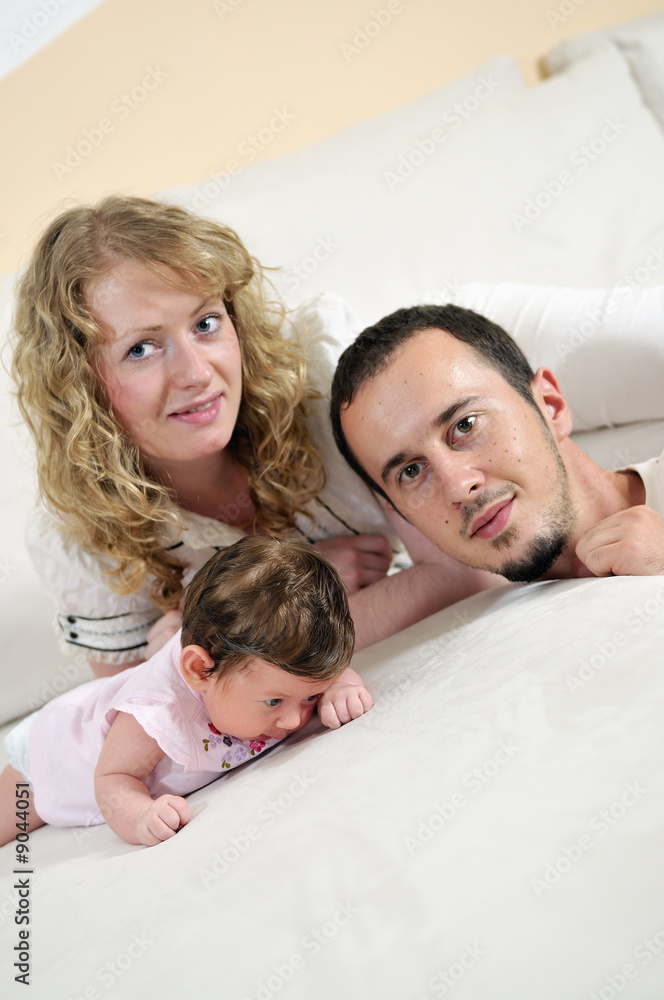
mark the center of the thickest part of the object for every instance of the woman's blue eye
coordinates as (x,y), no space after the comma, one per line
(273,702)
(209,324)
(137,351)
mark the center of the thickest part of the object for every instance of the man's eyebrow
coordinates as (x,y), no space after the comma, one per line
(159,326)
(391,464)
(446,415)
(439,421)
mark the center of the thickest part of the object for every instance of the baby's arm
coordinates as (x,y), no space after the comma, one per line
(128,756)
(344,700)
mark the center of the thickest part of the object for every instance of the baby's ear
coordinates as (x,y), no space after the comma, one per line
(194,661)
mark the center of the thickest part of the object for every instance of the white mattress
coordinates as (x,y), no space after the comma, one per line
(496,817)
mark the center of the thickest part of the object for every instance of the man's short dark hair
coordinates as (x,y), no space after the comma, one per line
(375,346)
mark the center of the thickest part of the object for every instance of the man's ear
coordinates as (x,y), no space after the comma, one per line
(551,402)
(194,661)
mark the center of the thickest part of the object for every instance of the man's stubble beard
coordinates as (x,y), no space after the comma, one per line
(547,546)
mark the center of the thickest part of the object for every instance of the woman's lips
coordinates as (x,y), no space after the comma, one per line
(498,518)
(197,416)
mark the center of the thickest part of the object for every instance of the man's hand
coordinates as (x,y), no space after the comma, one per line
(161,819)
(358,559)
(344,700)
(629,543)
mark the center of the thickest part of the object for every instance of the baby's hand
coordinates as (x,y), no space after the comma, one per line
(161,819)
(344,700)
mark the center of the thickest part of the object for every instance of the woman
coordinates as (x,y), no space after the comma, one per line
(172,414)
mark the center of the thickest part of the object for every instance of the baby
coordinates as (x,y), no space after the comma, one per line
(266,638)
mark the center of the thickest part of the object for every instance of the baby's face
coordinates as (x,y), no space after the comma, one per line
(262,701)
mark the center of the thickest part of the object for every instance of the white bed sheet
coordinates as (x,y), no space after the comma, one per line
(501,806)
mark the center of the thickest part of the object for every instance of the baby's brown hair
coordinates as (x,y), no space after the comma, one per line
(276,599)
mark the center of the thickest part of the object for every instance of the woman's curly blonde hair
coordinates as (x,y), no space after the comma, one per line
(90,474)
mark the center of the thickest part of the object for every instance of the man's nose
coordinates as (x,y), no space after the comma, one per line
(460,475)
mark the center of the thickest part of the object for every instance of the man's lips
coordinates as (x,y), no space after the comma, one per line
(493,520)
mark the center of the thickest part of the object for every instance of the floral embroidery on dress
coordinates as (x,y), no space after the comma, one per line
(241,751)
(215,739)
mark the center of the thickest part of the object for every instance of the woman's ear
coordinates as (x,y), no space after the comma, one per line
(194,661)
(551,402)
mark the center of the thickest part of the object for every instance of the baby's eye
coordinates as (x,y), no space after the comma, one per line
(312,697)
(273,702)
(209,324)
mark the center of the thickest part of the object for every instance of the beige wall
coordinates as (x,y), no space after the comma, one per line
(206,76)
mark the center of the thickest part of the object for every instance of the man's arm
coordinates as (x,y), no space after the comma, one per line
(434,582)
(399,600)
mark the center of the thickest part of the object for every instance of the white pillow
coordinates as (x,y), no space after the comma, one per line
(619,447)
(33,668)
(642,43)
(605,347)
(355,145)
(485,202)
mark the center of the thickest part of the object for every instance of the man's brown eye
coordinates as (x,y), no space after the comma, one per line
(465,424)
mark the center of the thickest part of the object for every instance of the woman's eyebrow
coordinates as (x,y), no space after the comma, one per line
(159,326)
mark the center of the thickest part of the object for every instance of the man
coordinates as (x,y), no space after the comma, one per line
(439,411)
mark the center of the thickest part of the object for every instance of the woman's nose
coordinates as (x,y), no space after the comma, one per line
(190,367)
